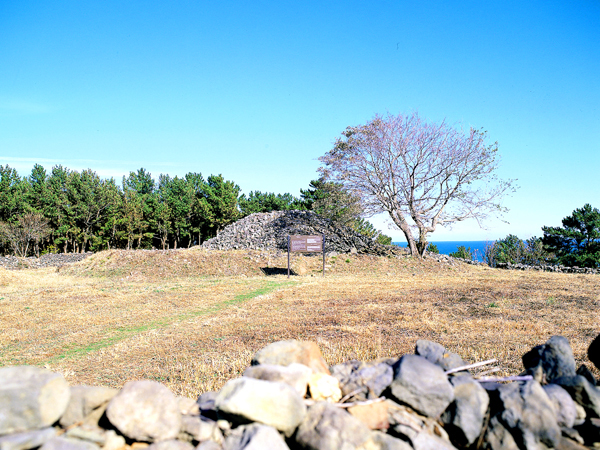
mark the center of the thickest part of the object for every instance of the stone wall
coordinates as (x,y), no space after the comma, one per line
(269,231)
(548,268)
(47,260)
(290,399)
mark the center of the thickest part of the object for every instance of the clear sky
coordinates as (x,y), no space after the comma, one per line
(258,91)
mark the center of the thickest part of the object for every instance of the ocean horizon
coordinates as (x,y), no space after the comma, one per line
(447,247)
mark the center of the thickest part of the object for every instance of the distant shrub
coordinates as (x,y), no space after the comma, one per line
(432,248)
(463,253)
(512,250)
(383,239)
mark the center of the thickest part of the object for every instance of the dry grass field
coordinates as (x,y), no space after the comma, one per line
(192,319)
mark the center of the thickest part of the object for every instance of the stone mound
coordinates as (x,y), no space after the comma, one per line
(290,399)
(269,231)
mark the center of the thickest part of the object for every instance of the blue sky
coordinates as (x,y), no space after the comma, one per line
(258,91)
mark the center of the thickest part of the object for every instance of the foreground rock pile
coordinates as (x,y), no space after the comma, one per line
(269,231)
(290,399)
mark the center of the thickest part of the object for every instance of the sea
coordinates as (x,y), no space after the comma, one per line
(447,247)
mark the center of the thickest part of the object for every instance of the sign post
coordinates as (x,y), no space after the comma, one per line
(306,244)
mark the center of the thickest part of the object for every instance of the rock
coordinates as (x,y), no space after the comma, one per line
(583,392)
(437,354)
(27,439)
(324,387)
(463,419)
(145,411)
(593,352)
(206,404)
(425,441)
(527,413)
(268,402)
(497,437)
(84,399)
(188,406)
(564,406)
(296,375)
(61,443)
(422,385)
(554,359)
(568,444)
(587,374)
(327,427)
(373,415)
(284,353)
(87,433)
(200,429)
(363,381)
(255,437)
(408,425)
(382,441)
(171,444)
(30,398)
(209,445)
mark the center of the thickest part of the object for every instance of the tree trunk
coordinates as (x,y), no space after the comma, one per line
(405,227)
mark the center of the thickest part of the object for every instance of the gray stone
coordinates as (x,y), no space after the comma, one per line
(208,445)
(206,404)
(171,444)
(426,441)
(363,381)
(408,425)
(525,410)
(583,392)
(30,398)
(87,433)
(284,353)
(463,419)
(62,443)
(84,399)
(437,354)
(145,411)
(593,352)
(382,441)
(200,429)
(553,360)
(497,437)
(422,385)
(255,437)
(564,405)
(27,439)
(296,375)
(271,403)
(587,374)
(327,427)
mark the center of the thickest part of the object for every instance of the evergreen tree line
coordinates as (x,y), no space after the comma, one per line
(64,211)
(575,244)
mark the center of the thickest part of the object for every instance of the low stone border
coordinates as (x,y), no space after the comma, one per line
(290,399)
(47,260)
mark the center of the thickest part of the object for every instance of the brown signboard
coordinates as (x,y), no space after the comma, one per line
(306,244)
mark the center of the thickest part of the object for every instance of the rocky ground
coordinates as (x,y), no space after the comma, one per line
(290,399)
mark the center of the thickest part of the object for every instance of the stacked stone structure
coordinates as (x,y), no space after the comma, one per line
(269,231)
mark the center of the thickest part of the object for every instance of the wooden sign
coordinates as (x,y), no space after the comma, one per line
(306,244)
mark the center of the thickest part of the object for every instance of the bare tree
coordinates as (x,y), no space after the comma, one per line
(26,233)
(431,173)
